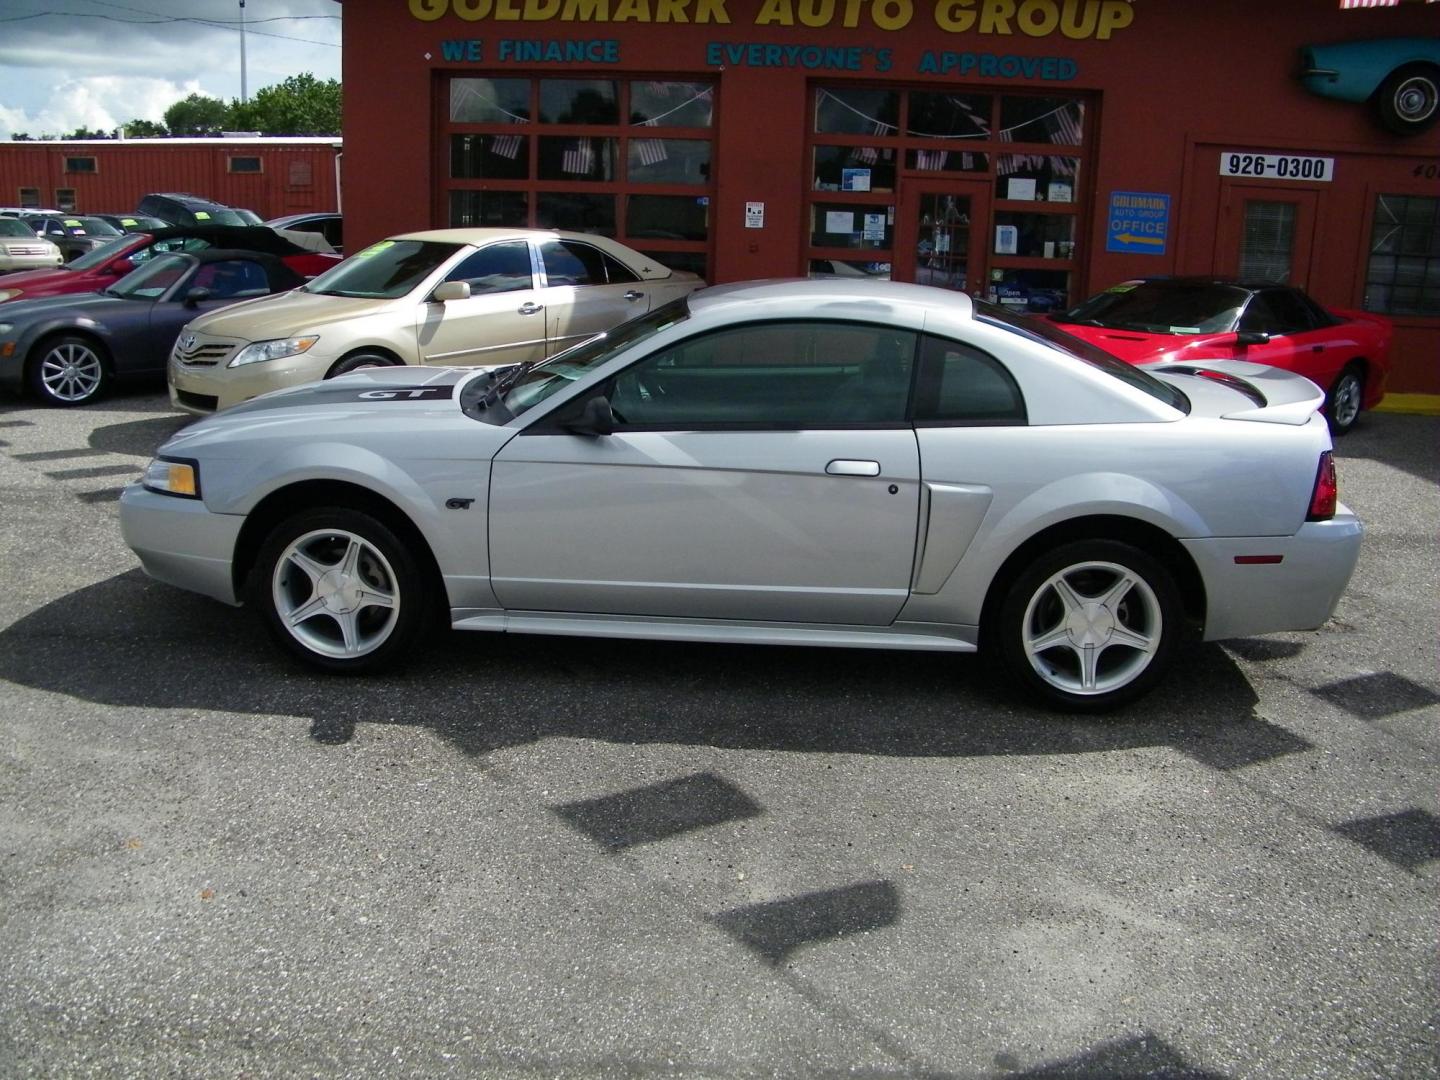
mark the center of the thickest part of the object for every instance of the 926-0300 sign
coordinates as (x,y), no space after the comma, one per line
(1277,166)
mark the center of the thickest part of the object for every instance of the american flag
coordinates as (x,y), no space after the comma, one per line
(932,160)
(1069,123)
(866,155)
(651,151)
(579,160)
(506,146)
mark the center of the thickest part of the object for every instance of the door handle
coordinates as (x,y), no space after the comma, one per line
(846,467)
(634,294)
(530,308)
(1317,348)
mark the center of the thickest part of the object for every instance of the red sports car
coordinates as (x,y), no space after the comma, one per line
(102,267)
(1346,353)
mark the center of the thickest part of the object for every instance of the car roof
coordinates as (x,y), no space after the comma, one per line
(250,237)
(638,262)
(789,297)
(314,215)
(1194,280)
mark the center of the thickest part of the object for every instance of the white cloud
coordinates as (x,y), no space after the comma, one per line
(100,101)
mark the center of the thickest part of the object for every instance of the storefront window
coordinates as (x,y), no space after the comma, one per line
(1042,120)
(949,116)
(1046,236)
(1403,275)
(851,111)
(490,101)
(490,157)
(571,158)
(669,161)
(575,213)
(579,101)
(672,104)
(876,271)
(1030,290)
(1265,249)
(851,225)
(668,217)
(947,160)
(488,208)
(1036,177)
(854,168)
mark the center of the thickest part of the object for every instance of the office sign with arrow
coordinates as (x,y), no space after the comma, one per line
(1139,222)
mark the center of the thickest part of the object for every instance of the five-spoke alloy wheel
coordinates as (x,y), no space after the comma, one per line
(1090,626)
(340,590)
(1342,404)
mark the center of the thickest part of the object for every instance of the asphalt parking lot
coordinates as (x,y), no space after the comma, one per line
(568,858)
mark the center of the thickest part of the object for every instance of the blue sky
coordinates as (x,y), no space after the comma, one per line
(65,64)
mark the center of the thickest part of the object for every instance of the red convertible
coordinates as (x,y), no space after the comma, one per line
(1346,353)
(104,266)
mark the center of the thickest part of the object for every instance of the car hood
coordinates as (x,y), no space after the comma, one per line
(38,279)
(286,314)
(1137,347)
(91,304)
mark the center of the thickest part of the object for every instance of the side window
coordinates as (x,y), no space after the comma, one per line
(498,268)
(232,279)
(617,273)
(959,384)
(1293,315)
(773,375)
(1260,316)
(569,263)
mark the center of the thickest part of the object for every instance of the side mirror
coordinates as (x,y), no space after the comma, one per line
(1251,337)
(450,290)
(596,418)
(196,295)
(121,267)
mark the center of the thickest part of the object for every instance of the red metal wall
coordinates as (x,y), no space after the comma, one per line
(294,177)
(1174,83)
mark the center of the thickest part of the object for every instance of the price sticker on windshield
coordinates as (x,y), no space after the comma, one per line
(1277,166)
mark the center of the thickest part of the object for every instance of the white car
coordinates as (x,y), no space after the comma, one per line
(21,249)
(484,297)
(828,462)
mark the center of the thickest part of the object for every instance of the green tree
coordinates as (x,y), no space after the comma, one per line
(145,129)
(301,105)
(86,133)
(198,115)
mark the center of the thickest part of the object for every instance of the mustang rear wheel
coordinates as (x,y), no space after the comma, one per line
(339,590)
(68,370)
(1089,626)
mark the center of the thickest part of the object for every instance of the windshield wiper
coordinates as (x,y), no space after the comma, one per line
(503,379)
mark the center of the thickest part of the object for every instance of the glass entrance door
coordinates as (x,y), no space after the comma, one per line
(941,236)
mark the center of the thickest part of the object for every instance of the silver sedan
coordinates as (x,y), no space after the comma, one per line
(830,462)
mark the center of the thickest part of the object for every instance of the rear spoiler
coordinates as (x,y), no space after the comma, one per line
(1280,397)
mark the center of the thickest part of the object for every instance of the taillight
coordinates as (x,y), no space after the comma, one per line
(1327,490)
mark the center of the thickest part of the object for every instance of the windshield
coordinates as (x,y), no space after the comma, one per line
(1046,333)
(88,226)
(103,254)
(385,270)
(10,226)
(530,386)
(1162,307)
(152,280)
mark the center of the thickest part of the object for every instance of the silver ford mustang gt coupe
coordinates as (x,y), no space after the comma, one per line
(828,462)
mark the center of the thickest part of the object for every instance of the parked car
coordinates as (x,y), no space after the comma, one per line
(1400,77)
(128,223)
(330,226)
(68,349)
(21,249)
(1199,318)
(451,296)
(103,266)
(828,462)
(182,208)
(74,236)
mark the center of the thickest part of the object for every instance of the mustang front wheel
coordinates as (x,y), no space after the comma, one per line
(1090,626)
(340,591)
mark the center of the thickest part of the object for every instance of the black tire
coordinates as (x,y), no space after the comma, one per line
(340,591)
(357,361)
(68,370)
(1344,401)
(1124,618)
(1408,101)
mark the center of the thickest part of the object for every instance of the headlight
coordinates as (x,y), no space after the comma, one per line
(273,350)
(173,476)
(8,294)
(6,327)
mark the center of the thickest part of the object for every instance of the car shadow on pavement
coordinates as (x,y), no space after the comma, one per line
(139,438)
(130,641)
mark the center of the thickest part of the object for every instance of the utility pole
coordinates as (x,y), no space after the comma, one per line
(244,96)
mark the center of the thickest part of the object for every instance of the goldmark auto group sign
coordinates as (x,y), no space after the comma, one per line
(1074,19)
